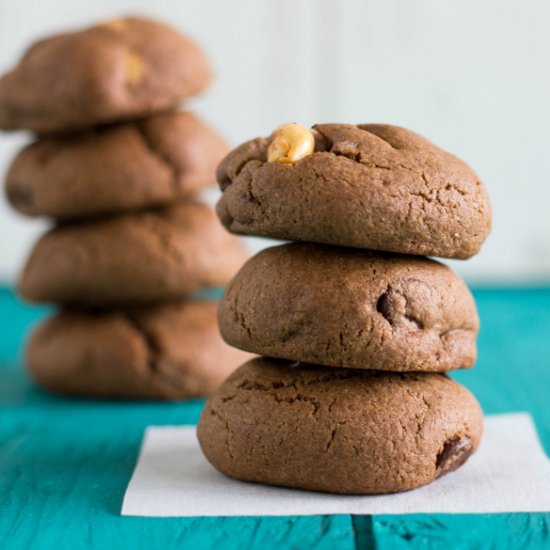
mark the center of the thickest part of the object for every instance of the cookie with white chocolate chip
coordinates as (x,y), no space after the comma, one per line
(368,186)
(351,308)
(143,164)
(338,430)
(117,70)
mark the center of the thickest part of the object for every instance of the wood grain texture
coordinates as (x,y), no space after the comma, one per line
(65,464)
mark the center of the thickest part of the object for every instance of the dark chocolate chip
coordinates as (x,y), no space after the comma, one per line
(454,454)
(384,306)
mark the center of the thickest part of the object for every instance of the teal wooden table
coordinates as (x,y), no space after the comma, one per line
(65,464)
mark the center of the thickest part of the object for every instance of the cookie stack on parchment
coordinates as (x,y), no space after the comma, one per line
(116,167)
(358,330)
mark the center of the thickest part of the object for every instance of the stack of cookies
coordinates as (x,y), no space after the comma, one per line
(116,167)
(357,327)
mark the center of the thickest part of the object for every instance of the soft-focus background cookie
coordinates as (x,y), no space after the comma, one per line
(340,431)
(132,259)
(117,70)
(368,186)
(351,308)
(153,162)
(161,352)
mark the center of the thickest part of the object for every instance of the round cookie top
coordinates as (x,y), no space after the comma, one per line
(153,162)
(171,351)
(143,258)
(351,308)
(338,430)
(116,70)
(368,186)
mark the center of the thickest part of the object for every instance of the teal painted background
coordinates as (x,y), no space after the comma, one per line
(65,464)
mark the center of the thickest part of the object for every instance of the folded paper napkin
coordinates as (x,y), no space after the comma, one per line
(509,473)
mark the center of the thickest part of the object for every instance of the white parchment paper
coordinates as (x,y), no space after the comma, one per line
(509,473)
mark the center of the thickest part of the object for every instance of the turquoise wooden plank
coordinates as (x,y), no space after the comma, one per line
(462,531)
(512,374)
(65,463)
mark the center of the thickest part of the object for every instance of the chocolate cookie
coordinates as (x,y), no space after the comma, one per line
(339,431)
(136,165)
(368,186)
(132,259)
(351,308)
(161,352)
(117,70)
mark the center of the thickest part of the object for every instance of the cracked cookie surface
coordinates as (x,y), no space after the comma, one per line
(351,308)
(118,70)
(368,186)
(338,430)
(132,259)
(165,352)
(137,165)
